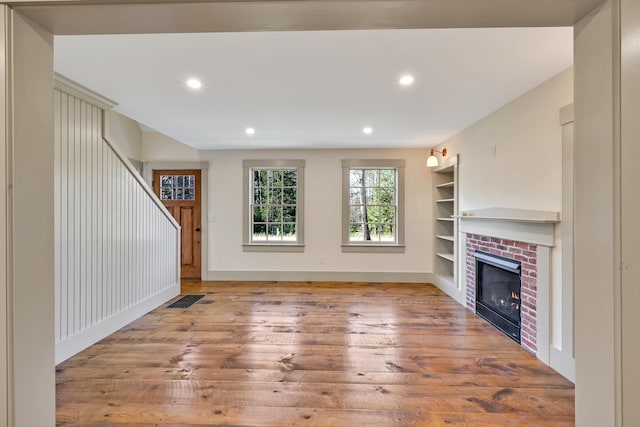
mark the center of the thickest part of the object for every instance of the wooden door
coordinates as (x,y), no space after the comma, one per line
(179,191)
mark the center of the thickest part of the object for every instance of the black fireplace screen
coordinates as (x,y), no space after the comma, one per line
(498,292)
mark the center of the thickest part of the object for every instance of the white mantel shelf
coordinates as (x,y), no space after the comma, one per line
(546,221)
(509,214)
(515,224)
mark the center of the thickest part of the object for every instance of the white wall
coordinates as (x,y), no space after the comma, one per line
(630,210)
(125,133)
(116,247)
(5,244)
(323,187)
(158,147)
(596,234)
(526,170)
(513,159)
(28,57)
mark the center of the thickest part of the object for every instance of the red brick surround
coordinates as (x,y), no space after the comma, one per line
(524,252)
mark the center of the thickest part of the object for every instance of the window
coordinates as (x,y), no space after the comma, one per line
(273,203)
(177,187)
(372,207)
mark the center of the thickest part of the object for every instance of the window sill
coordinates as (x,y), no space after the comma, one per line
(373,248)
(272,247)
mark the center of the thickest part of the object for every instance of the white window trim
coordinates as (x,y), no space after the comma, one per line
(248,245)
(398,246)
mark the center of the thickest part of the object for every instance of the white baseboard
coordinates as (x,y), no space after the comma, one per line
(562,363)
(449,288)
(321,276)
(78,342)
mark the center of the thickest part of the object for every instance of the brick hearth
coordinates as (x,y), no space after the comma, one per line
(520,251)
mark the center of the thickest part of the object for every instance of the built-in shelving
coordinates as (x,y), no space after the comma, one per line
(446,185)
(448,257)
(445,213)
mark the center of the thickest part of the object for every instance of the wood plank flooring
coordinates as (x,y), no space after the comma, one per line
(311,354)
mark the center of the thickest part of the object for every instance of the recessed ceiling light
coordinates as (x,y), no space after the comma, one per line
(250,131)
(367,130)
(194,83)
(406,80)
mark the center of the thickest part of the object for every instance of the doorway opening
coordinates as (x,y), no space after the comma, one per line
(180,192)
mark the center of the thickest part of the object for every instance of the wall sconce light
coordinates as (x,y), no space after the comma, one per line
(432,160)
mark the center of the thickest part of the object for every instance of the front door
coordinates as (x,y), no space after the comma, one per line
(179,191)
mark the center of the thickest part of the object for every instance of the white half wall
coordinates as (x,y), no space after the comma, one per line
(116,246)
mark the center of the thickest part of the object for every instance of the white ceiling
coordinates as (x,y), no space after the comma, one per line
(315,89)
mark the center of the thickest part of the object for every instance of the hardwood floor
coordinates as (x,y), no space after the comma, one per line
(311,354)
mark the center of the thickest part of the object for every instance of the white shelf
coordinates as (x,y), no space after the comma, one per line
(448,257)
(446,169)
(514,215)
(446,185)
(498,218)
(445,214)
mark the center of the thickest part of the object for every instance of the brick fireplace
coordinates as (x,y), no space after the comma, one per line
(525,236)
(524,252)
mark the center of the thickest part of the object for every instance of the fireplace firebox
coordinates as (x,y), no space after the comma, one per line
(498,287)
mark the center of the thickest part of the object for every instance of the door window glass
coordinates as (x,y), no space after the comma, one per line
(177,187)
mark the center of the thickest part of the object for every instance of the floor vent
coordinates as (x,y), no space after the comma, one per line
(186,301)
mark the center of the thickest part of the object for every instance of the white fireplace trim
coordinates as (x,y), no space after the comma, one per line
(522,225)
(543,311)
(534,227)
(512,214)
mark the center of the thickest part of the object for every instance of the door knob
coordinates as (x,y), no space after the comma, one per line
(198,229)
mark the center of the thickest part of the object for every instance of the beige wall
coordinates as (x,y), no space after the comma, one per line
(630,211)
(157,147)
(513,159)
(323,215)
(31,254)
(125,133)
(595,224)
(323,184)
(5,248)
(77,17)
